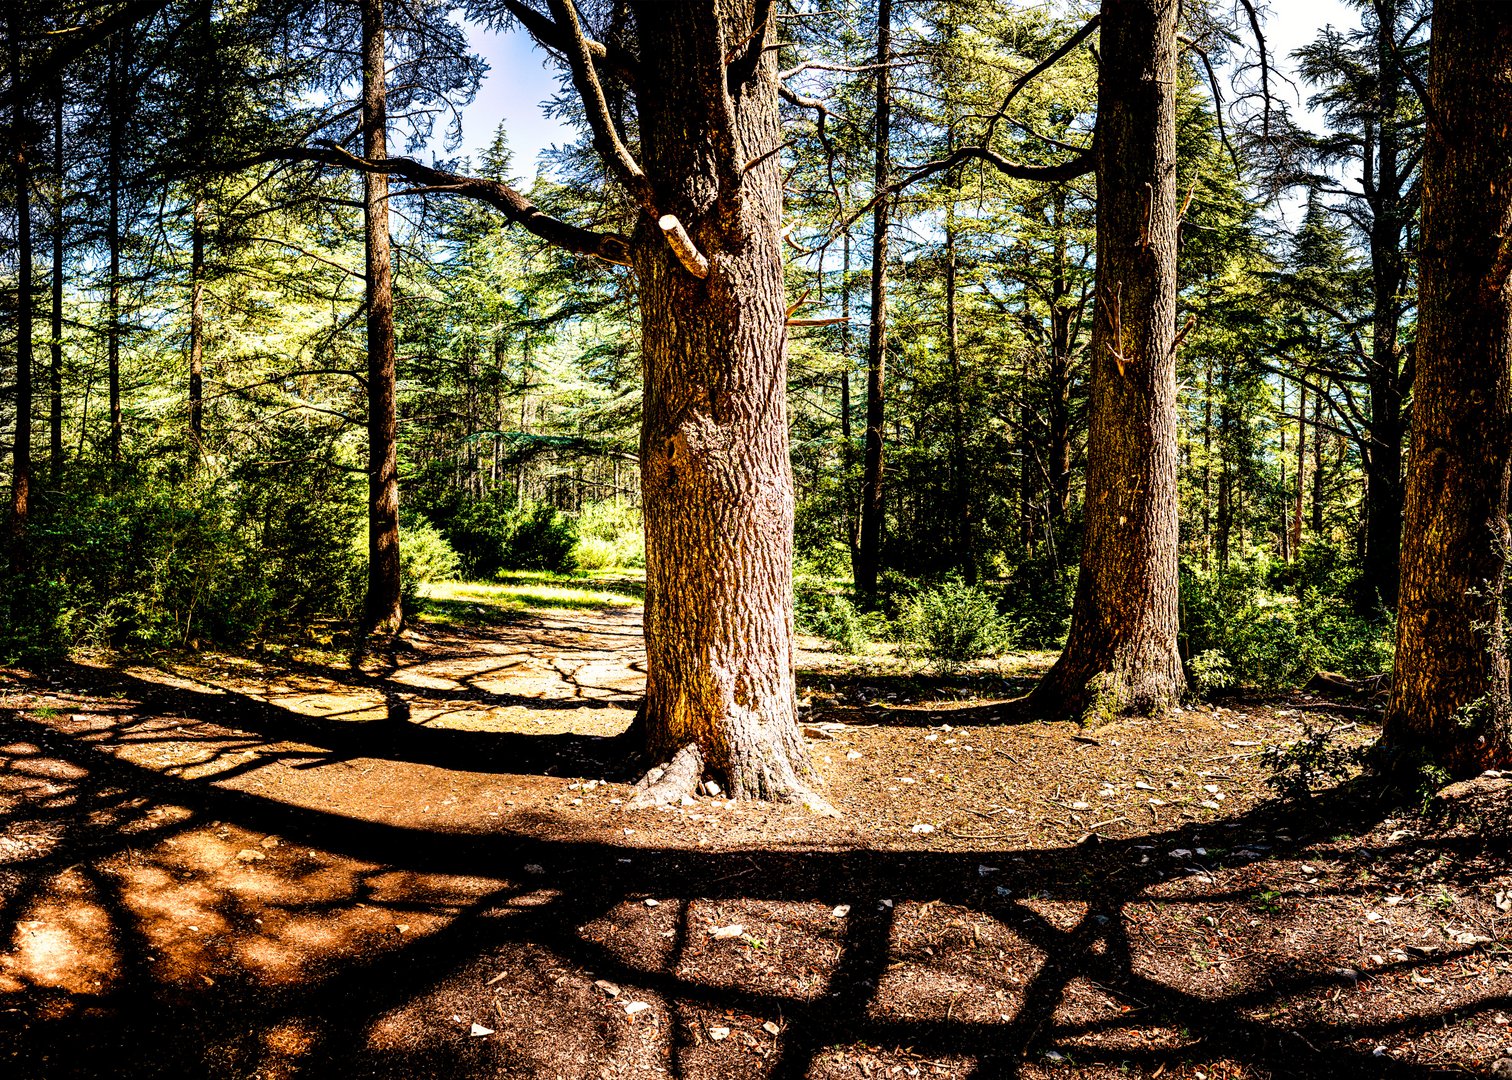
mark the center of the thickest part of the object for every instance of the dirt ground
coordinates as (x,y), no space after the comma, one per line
(277,866)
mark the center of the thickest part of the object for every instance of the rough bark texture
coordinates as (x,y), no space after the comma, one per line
(868,565)
(384,614)
(1121,652)
(197,336)
(1449,699)
(113,239)
(716,477)
(59,236)
(21,474)
(1385,180)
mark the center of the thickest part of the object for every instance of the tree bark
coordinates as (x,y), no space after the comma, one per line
(960,481)
(117,49)
(1449,699)
(1121,652)
(59,239)
(197,336)
(1296,522)
(384,613)
(1385,384)
(21,474)
(716,479)
(1059,452)
(870,549)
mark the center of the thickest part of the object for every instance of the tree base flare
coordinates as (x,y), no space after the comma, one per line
(681,777)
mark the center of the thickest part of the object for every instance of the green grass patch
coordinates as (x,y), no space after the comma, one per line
(526,590)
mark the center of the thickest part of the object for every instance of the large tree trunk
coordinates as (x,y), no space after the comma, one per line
(21,474)
(868,565)
(1121,652)
(716,475)
(1449,700)
(384,613)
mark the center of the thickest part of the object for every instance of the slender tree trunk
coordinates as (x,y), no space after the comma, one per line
(197,336)
(1207,464)
(847,447)
(876,355)
(1121,653)
(1388,262)
(1059,450)
(384,611)
(117,107)
(59,239)
(1296,523)
(1317,478)
(21,475)
(960,485)
(717,479)
(1449,699)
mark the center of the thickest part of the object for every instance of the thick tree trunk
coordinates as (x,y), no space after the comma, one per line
(870,550)
(1121,652)
(716,475)
(59,238)
(1449,699)
(384,613)
(21,474)
(197,336)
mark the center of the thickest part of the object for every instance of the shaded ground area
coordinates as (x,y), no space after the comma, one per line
(234,867)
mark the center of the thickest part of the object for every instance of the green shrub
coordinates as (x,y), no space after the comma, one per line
(1296,769)
(424,557)
(609,534)
(954,623)
(488,538)
(1039,593)
(1272,641)
(124,556)
(819,611)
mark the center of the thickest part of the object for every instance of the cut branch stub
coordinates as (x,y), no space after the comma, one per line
(693,260)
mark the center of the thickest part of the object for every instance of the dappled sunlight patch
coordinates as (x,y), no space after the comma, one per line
(64,940)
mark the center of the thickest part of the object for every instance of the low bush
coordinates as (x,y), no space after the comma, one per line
(834,617)
(488,538)
(954,623)
(609,534)
(1271,640)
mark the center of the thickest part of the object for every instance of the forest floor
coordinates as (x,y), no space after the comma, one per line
(275,865)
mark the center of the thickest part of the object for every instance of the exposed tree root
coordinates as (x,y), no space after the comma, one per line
(668,784)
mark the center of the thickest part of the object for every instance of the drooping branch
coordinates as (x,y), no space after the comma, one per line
(606,137)
(611,247)
(607,59)
(1038,69)
(1265,94)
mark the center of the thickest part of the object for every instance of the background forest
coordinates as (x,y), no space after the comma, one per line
(194,405)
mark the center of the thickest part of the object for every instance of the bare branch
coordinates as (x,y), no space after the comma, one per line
(693,260)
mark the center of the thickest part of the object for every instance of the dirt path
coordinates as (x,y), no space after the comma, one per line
(223,867)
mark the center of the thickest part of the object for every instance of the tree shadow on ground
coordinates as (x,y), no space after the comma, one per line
(365,947)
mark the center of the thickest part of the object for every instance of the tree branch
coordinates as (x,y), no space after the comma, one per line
(605,138)
(611,247)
